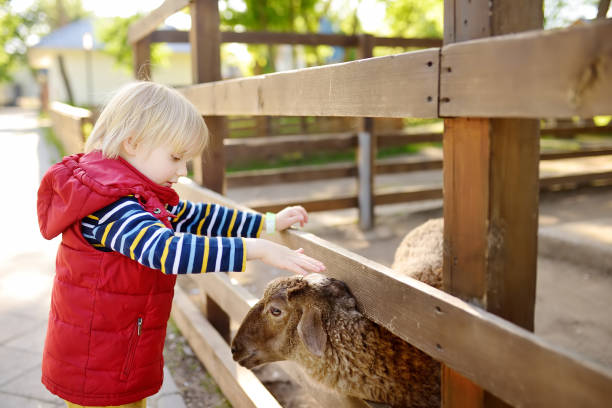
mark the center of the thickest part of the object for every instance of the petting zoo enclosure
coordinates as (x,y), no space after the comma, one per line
(491,86)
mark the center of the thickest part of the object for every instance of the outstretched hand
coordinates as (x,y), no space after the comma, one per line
(282,257)
(289,216)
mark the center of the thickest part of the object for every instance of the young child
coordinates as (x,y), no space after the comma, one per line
(125,238)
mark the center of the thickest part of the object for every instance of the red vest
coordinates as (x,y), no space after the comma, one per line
(107,322)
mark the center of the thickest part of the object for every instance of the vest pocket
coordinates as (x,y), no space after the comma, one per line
(131,352)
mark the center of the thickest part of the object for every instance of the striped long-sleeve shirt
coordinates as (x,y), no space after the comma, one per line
(203,238)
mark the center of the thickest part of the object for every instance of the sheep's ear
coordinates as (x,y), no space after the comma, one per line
(311,331)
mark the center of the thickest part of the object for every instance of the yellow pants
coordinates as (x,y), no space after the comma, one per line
(139,404)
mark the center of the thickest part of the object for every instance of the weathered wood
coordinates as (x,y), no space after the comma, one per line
(206,67)
(561,73)
(490,190)
(67,122)
(239,385)
(143,27)
(473,341)
(267,37)
(394,86)
(142,59)
(258,148)
(602,8)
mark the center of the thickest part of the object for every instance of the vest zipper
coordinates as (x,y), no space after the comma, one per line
(129,359)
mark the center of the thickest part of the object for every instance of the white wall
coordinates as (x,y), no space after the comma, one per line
(106,76)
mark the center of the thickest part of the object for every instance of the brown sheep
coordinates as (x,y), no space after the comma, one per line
(313,321)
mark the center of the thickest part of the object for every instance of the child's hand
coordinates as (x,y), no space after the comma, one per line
(282,257)
(289,216)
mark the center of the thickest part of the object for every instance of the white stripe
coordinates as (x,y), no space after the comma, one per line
(212,221)
(241,225)
(123,224)
(177,258)
(149,241)
(219,252)
(114,210)
(87,225)
(178,226)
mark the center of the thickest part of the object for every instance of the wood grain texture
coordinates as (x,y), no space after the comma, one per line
(559,73)
(395,86)
(143,27)
(468,339)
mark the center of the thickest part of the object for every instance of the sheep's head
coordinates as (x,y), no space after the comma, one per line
(289,318)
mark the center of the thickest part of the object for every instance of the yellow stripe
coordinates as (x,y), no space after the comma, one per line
(98,245)
(108,227)
(260,226)
(139,237)
(199,230)
(205,259)
(93,217)
(182,211)
(165,255)
(229,230)
(243,254)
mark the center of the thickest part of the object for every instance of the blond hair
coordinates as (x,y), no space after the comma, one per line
(151,115)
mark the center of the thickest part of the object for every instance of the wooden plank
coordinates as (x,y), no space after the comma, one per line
(142,59)
(583,178)
(559,73)
(239,385)
(268,37)
(67,122)
(471,340)
(206,67)
(490,195)
(239,150)
(583,152)
(144,26)
(394,86)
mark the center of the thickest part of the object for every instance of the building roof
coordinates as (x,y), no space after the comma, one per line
(70,36)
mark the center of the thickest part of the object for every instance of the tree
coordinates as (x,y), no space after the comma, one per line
(18,30)
(300,16)
(113,33)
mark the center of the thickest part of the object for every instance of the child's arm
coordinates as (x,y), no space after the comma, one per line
(126,228)
(215,220)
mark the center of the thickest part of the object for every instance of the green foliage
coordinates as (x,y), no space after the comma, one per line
(415,18)
(17,29)
(113,33)
(300,16)
(14,32)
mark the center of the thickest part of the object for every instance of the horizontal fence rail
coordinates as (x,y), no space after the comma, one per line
(558,73)
(394,86)
(508,361)
(67,122)
(266,37)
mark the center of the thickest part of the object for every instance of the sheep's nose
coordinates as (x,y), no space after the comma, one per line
(235,349)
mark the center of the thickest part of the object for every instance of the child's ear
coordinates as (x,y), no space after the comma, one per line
(129,146)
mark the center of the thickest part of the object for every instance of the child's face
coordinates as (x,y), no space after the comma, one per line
(161,164)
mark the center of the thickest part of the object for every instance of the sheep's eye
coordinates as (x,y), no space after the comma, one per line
(275,311)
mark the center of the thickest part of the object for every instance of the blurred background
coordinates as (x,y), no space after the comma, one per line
(76,51)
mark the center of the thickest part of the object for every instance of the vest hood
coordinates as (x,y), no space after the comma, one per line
(83,183)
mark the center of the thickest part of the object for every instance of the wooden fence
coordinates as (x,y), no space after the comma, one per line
(481,328)
(67,122)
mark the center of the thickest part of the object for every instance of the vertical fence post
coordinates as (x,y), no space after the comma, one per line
(142,59)
(366,153)
(490,194)
(205,39)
